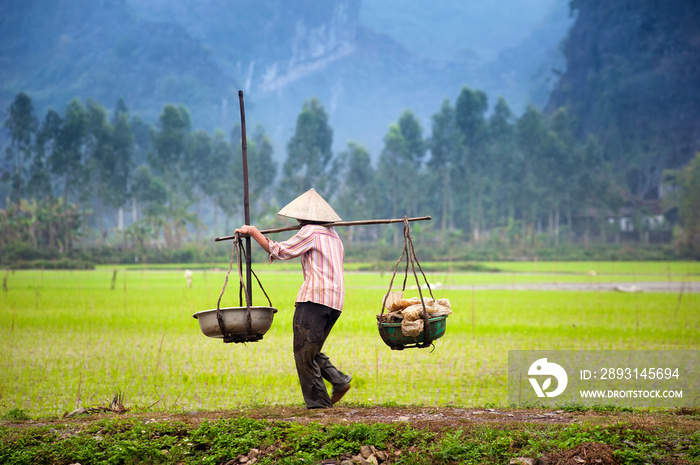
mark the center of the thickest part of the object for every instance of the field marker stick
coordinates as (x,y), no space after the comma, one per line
(125,307)
(680,298)
(473,303)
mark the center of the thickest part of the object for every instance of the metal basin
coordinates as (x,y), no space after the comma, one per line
(235,323)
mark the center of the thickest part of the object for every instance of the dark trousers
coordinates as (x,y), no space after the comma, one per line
(312,324)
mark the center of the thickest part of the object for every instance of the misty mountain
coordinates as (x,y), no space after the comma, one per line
(366,62)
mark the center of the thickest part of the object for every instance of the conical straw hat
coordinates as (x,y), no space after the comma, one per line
(310,206)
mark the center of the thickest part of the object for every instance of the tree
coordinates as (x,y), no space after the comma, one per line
(261,168)
(122,151)
(45,224)
(469,114)
(226,187)
(394,169)
(151,194)
(142,151)
(171,142)
(357,192)
(101,158)
(416,147)
(40,185)
(445,146)
(198,164)
(399,165)
(689,206)
(532,136)
(143,141)
(22,125)
(470,108)
(504,167)
(565,169)
(68,159)
(596,190)
(309,154)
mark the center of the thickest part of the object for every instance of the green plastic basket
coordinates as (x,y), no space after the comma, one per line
(394,338)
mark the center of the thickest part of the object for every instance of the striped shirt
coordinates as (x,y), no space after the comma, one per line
(322,256)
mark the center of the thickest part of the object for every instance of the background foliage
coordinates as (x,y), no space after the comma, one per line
(604,163)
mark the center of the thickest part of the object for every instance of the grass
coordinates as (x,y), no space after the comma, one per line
(139,439)
(74,338)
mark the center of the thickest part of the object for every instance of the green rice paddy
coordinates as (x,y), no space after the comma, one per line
(75,338)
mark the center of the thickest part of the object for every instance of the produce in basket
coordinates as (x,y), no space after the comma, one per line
(409,312)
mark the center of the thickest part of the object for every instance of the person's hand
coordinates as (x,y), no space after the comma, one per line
(246,229)
(252,231)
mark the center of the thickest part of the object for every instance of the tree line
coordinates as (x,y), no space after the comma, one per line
(64,175)
(485,175)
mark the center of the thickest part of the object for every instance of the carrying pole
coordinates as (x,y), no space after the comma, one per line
(246,203)
(336,223)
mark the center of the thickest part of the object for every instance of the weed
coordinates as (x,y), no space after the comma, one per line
(694,445)
(456,448)
(693,411)
(574,407)
(16,414)
(611,408)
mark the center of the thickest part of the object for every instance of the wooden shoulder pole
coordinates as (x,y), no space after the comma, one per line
(337,223)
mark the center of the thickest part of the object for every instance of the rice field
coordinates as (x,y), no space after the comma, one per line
(75,338)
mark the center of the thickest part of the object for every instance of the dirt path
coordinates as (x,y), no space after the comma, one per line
(433,418)
(450,417)
(674,287)
(643,286)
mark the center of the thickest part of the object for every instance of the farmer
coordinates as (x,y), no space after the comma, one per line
(321,297)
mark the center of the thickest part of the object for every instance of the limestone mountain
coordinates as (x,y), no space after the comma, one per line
(633,81)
